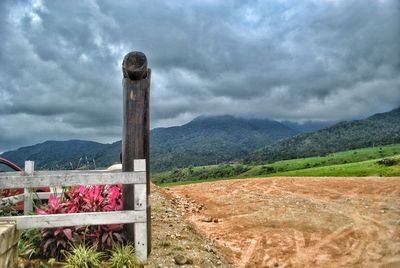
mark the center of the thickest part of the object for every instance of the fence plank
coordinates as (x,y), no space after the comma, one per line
(140,196)
(29,167)
(68,178)
(139,165)
(141,240)
(41,195)
(47,172)
(76,219)
(28,202)
(141,234)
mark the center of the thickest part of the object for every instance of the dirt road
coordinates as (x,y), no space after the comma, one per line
(299,222)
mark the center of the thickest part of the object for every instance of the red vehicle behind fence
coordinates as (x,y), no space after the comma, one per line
(6,166)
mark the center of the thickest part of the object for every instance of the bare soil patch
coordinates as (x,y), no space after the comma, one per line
(297,221)
(175,242)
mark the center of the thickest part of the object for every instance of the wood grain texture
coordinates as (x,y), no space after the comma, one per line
(147,157)
(67,178)
(76,219)
(134,66)
(135,137)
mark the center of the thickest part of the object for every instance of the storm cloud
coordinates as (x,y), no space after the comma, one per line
(60,62)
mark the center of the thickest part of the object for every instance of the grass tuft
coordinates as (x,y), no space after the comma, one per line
(123,256)
(82,256)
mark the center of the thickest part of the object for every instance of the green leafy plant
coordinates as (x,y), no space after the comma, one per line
(29,242)
(83,256)
(123,256)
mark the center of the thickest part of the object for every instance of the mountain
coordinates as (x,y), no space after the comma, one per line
(308,126)
(54,154)
(204,140)
(209,140)
(379,129)
(218,139)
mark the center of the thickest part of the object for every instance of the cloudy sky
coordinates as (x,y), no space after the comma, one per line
(60,62)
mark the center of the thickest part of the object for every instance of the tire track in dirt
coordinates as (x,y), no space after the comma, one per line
(302,222)
(362,225)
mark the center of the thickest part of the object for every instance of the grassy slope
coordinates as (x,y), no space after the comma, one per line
(364,168)
(339,158)
(360,162)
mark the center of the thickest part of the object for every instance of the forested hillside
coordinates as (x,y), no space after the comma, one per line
(202,141)
(379,129)
(210,140)
(57,154)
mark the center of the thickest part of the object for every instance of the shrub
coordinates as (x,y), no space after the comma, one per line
(123,256)
(105,236)
(55,240)
(388,162)
(267,170)
(83,256)
(82,199)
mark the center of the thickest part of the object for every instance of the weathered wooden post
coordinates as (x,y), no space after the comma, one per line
(28,202)
(136,128)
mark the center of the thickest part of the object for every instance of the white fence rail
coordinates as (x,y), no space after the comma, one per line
(68,178)
(32,179)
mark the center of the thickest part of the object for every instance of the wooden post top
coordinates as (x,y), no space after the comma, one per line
(134,66)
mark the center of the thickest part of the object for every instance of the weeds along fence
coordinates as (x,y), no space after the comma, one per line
(29,178)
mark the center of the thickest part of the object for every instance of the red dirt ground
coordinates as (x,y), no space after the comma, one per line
(299,222)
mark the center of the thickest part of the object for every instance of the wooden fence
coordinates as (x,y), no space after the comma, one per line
(32,179)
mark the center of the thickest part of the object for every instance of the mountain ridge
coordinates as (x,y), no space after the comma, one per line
(49,153)
(204,140)
(220,139)
(377,129)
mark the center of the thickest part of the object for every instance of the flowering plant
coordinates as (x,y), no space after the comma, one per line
(79,199)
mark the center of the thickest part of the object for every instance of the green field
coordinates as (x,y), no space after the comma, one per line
(360,162)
